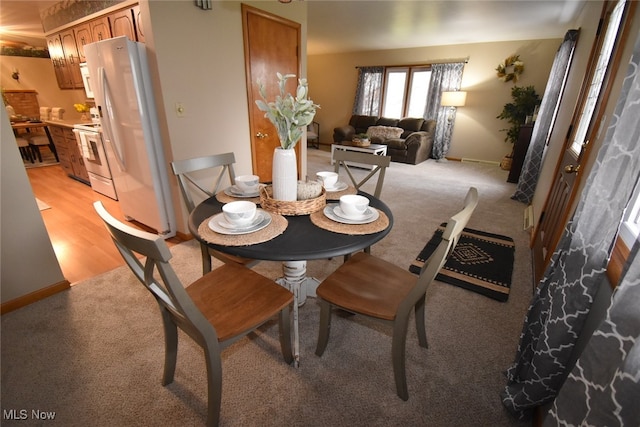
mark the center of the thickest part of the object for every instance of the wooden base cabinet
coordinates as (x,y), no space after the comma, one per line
(68,153)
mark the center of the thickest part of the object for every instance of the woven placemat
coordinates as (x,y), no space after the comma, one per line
(275,228)
(320,220)
(222,197)
(335,195)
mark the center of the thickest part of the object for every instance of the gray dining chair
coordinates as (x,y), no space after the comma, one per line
(347,159)
(191,174)
(379,164)
(376,288)
(216,310)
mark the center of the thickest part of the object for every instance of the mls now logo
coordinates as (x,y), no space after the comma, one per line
(23,414)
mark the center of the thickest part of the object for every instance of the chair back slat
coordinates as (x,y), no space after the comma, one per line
(193,172)
(438,258)
(168,290)
(342,158)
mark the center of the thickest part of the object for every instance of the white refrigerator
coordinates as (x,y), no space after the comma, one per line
(123,93)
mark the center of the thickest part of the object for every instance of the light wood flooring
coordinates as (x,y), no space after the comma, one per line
(79,238)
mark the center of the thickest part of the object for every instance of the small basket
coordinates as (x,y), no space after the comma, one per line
(357,142)
(291,208)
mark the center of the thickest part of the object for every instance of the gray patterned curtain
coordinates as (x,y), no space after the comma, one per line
(603,388)
(564,296)
(546,118)
(368,91)
(444,77)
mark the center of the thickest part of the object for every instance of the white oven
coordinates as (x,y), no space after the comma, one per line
(90,144)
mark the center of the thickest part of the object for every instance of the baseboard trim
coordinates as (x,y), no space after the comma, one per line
(38,295)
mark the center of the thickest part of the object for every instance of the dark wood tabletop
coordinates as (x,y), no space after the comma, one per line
(302,240)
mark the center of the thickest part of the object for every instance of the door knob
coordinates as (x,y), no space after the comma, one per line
(572,169)
(261,135)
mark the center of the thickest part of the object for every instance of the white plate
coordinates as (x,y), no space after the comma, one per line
(367,214)
(371,214)
(257,219)
(215,224)
(234,191)
(338,187)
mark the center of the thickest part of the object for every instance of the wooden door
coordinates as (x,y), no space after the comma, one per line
(586,122)
(271,45)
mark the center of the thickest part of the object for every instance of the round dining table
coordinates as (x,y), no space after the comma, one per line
(301,241)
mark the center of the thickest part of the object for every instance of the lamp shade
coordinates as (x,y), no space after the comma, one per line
(453,99)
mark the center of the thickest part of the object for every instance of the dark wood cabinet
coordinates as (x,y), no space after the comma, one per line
(69,153)
(519,152)
(66,48)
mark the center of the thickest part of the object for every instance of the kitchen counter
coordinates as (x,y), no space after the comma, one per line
(66,123)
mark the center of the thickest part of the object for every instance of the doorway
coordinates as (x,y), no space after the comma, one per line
(271,45)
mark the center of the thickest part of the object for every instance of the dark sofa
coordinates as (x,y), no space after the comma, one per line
(412,146)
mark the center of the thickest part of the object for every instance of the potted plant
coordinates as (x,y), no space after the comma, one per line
(525,100)
(360,139)
(290,115)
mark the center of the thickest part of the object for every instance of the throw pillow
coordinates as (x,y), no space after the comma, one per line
(384,132)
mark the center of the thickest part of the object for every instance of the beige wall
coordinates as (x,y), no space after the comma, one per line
(37,74)
(476,135)
(27,260)
(200,58)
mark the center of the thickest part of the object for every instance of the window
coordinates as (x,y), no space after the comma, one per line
(599,73)
(405,91)
(630,228)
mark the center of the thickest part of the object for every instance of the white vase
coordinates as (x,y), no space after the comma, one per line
(285,175)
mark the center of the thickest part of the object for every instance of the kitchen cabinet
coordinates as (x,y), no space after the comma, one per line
(72,58)
(66,48)
(54,44)
(122,24)
(138,22)
(69,153)
(66,61)
(89,32)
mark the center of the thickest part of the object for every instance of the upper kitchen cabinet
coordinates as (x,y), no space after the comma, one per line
(138,22)
(89,32)
(123,24)
(65,58)
(66,47)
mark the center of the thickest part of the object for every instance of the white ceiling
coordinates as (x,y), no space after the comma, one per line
(354,25)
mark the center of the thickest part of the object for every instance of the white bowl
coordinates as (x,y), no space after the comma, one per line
(239,213)
(328,179)
(353,205)
(248,183)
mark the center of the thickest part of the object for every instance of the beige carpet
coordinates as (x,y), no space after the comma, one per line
(94,354)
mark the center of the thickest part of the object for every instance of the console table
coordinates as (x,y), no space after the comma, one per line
(377,149)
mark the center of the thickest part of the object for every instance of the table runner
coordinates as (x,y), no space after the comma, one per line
(277,226)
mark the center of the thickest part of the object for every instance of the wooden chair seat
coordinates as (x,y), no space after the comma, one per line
(352,287)
(234,299)
(373,287)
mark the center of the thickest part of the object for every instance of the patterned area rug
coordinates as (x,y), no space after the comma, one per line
(481,262)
